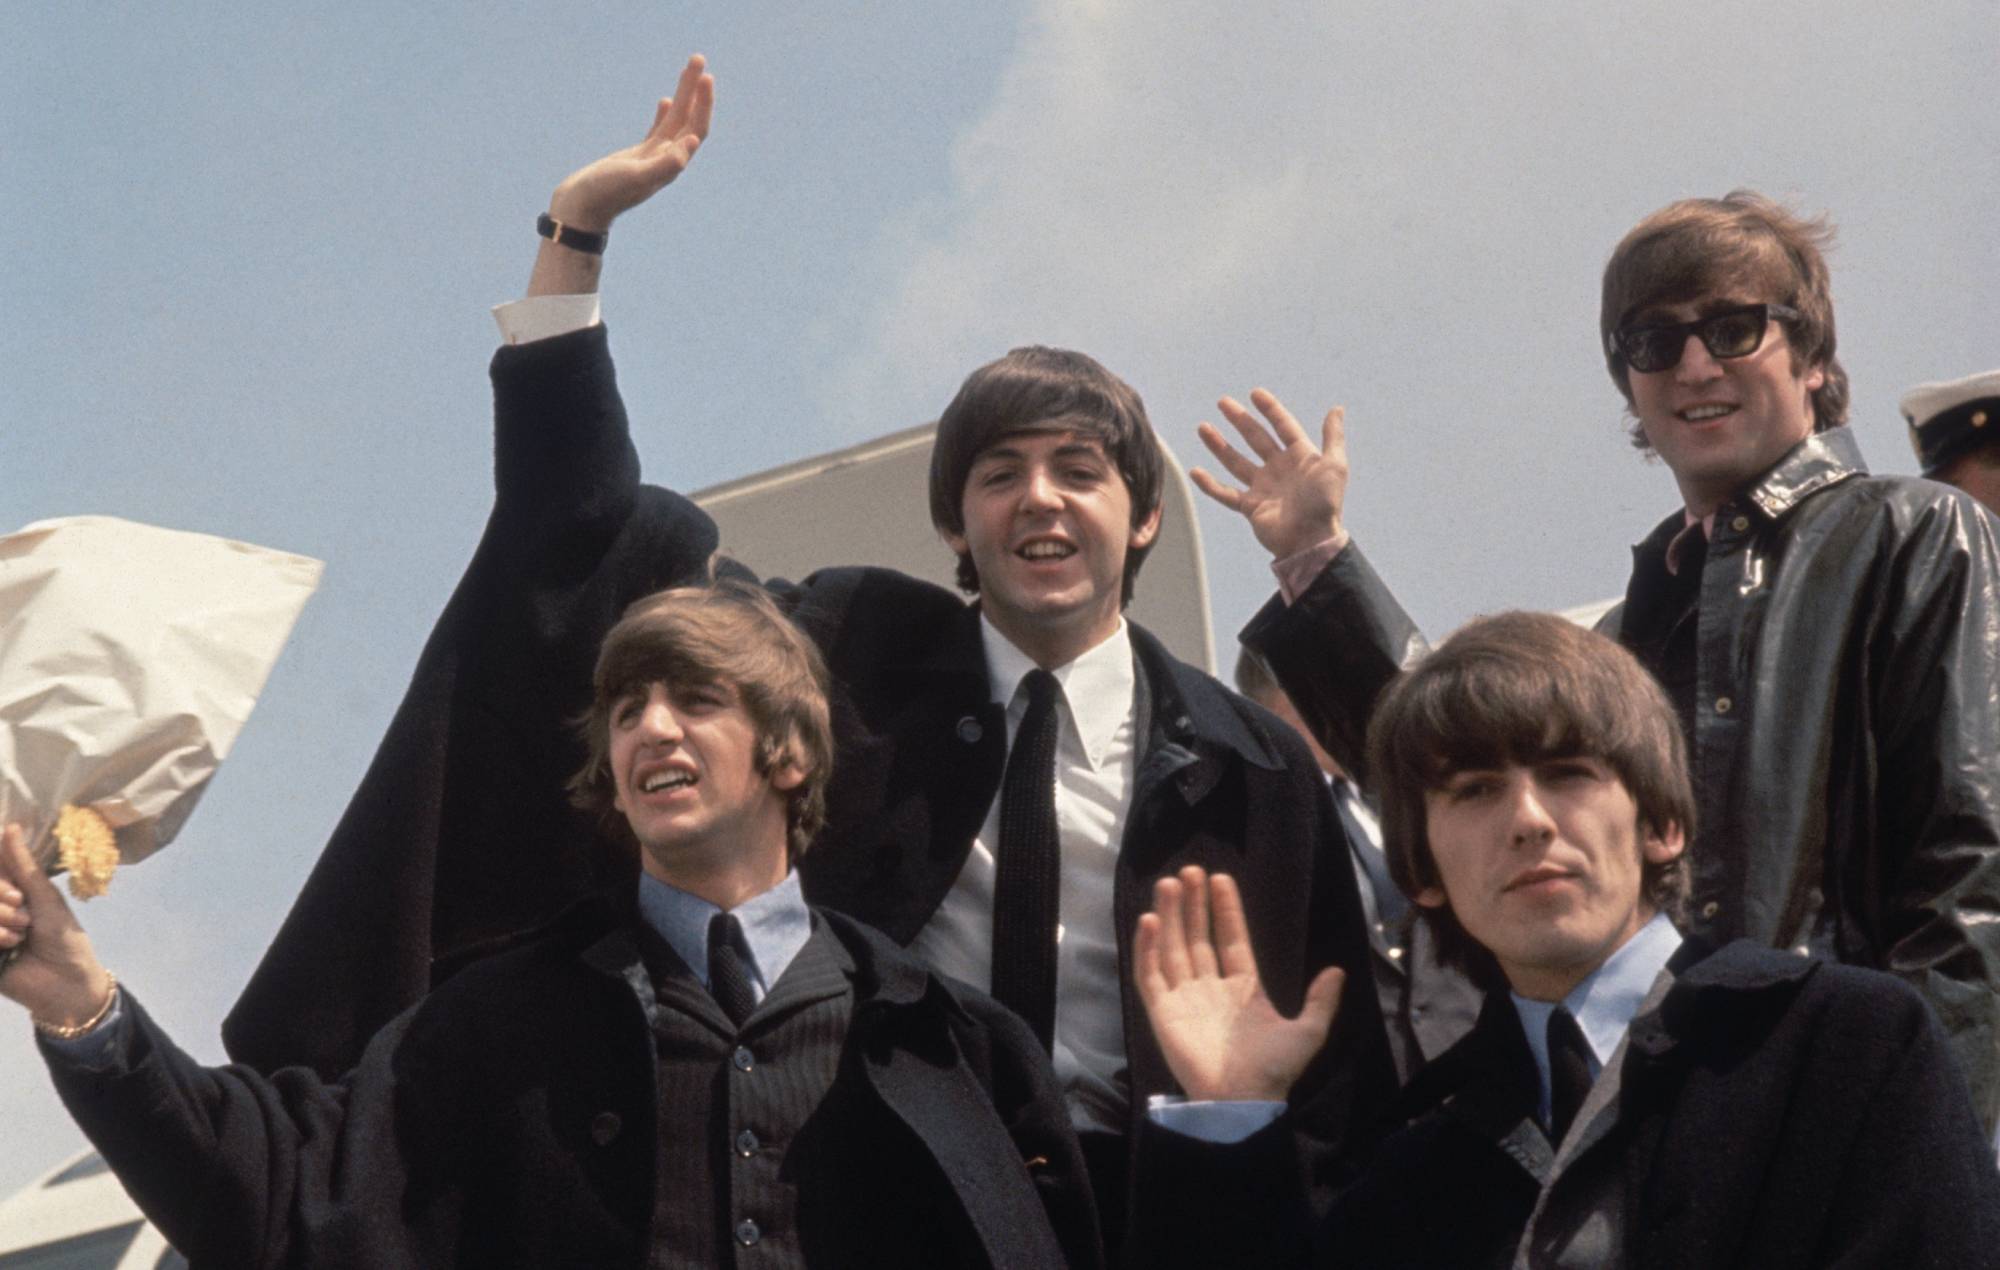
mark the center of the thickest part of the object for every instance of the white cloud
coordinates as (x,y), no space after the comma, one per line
(1401,208)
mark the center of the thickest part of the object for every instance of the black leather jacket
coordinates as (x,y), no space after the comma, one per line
(1845,705)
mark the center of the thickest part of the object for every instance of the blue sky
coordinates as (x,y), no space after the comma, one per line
(250,250)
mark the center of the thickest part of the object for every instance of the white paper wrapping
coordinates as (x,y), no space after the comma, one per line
(130,657)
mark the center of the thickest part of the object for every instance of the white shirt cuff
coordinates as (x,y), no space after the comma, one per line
(542,317)
(1218,1122)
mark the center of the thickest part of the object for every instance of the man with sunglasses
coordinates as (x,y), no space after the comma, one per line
(1830,639)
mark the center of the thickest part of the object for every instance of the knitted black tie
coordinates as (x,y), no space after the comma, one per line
(728,981)
(1027,886)
(1569,1072)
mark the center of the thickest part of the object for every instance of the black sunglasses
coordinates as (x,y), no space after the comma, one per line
(1730,333)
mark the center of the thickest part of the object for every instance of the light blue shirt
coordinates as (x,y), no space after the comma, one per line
(776,924)
(1605,1002)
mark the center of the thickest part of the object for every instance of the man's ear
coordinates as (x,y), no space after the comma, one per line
(788,775)
(1145,531)
(1660,847)
(1815,378)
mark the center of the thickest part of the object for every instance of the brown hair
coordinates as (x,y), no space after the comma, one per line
(1027,391)
(1741,242)
(1517,688)
(724,632)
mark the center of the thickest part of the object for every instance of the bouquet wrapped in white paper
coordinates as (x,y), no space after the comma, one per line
(130,657)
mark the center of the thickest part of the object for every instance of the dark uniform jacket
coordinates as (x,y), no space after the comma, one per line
(1770,1112)
(1842,679)
(474,764)
(510,1120)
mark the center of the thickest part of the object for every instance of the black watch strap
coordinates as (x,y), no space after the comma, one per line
(570,236)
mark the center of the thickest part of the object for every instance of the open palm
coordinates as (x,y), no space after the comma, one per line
(593,196)
(1222,1037)
(1292,490)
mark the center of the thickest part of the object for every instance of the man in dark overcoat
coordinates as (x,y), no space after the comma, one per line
(698,1071)
(1046,483)
(1627,1097)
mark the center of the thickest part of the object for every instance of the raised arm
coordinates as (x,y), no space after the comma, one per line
(592,197)
(1334,636)
(462,831)
(1206,1199)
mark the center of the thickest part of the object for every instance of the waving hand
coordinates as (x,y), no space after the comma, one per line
(1292,490)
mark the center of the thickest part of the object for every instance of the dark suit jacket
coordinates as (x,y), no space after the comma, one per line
(1773,1112)
(509,1120)
(475,762)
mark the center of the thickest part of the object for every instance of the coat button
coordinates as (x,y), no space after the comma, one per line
(604,1126)
(742,1059)
(1979,418)
(969,730)
(1740,524)
(1724,705)
(747,1232)
(746,1144)
(1710,909)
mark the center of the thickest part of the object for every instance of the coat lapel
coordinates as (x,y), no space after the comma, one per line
(913,1063)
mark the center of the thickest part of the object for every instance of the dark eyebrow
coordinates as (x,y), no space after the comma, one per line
(1082,449)
(1079,445)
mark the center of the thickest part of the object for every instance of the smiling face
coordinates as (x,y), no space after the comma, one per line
(1720,423)
(1048,523)
(1542,865)
(684,775)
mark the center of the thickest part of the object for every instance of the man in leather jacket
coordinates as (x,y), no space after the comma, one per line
(1829,638)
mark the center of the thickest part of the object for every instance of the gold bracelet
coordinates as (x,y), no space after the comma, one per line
(70,1031)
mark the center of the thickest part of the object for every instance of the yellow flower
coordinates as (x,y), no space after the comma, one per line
(88,850)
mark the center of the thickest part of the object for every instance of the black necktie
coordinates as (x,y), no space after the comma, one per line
(1027,885)
(728,980)
(1569,1072)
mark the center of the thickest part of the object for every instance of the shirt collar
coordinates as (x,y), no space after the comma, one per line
(1691,525)
(1607,999)
(776,924)
(1097,687)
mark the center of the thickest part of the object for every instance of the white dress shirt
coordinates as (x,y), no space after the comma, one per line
(1097,757)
